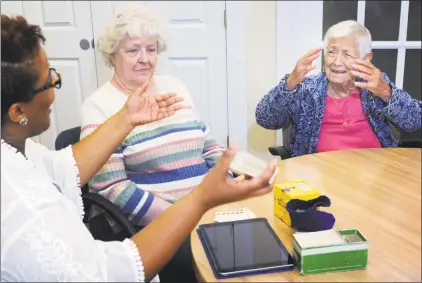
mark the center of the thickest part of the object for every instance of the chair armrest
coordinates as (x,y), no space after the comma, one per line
(410,143)
(280,151)
(110,208)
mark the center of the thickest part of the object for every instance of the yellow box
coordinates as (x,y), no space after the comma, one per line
(287,191)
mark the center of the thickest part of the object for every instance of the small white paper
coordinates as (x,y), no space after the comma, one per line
(319,238)
(247,164)
(238,214)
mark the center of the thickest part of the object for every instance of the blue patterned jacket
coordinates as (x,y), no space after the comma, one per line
(303,109)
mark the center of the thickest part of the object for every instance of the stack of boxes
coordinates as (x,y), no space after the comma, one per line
(323,251)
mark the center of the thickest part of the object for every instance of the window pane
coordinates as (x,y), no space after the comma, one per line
(382,18)
(337,11)
(414,21)
(386,61)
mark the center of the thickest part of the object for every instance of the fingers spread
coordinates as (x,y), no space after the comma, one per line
(362,68)
(361,75)
(364,63)
(362,85)
(314,51)
(310,59)
(170,101)
(162,115)
(172,108)
(165,96)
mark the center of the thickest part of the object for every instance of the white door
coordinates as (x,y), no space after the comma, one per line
(196,53)
(395,27)
(64,24)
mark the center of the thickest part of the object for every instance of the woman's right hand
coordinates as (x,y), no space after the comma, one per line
(303,67)
(159,240)
(217,188)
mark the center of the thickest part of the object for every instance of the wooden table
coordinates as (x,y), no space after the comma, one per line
(377,191)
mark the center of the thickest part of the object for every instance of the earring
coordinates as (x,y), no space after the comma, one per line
(23,121)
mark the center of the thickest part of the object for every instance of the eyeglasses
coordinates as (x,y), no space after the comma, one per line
(54,80)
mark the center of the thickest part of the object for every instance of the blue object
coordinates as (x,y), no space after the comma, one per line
(306,217)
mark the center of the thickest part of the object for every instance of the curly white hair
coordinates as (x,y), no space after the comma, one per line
(135,22)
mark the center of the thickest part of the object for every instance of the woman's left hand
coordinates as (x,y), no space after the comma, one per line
(142,109)
(375,83)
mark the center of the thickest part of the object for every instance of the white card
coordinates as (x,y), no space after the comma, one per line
(238,214)
(247,164)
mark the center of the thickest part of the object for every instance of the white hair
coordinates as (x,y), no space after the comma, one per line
(135,22)
(351,28)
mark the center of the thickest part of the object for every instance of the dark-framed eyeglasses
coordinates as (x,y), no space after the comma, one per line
(54,80)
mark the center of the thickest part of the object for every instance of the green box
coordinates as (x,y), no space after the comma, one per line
(348,252)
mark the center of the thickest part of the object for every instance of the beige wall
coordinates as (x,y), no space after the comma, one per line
(261,70)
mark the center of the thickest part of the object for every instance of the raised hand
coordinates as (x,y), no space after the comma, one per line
(217,188)
(142,109)
(303,67)
(375,83)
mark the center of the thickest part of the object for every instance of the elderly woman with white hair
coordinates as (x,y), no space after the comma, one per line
(347,106)
(160,162)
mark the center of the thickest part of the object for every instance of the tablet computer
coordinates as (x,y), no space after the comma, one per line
(244,247)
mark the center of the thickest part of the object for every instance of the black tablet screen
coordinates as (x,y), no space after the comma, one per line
(244,245)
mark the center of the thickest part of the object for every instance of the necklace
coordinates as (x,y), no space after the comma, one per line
(345,121)
(123,88)
(15,151)
(120,86)
(23,158)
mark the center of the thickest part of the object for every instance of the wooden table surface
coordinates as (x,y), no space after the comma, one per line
(377,191)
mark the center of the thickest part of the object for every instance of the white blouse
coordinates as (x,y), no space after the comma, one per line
(43,237)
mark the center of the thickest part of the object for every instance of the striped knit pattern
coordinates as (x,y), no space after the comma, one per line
(165,159)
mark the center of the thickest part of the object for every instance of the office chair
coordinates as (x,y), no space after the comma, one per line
(283,151)
(98,226)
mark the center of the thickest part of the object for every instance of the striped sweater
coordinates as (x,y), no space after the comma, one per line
(166,159)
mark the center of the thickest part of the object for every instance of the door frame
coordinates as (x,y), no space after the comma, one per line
(295,37)
(237,103)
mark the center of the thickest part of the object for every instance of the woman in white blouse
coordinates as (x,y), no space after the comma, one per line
(43,237)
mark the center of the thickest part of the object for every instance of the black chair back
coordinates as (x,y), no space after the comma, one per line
(98,226)
(68,137)
(283,151)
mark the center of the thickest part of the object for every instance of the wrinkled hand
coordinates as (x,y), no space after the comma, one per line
(375,83)
(143,109)
(217,188)
(303,67)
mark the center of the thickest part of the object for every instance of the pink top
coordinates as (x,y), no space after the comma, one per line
(345,125)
